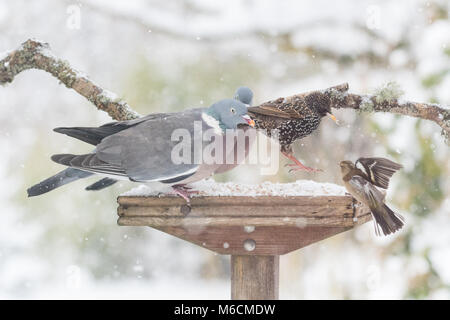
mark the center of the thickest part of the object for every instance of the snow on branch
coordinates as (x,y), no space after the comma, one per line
(35,54)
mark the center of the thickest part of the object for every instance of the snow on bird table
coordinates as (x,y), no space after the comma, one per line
(210,187)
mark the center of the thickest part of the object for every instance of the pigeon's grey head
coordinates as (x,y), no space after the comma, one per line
(244,95)
(229,114)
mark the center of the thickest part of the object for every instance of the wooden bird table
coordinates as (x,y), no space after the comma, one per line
(255,231)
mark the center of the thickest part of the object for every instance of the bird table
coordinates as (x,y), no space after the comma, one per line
(254,230)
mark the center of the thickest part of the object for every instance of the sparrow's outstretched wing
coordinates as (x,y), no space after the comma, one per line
(378,170)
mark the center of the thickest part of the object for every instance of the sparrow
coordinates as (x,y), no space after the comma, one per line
(294,118)
(361,180)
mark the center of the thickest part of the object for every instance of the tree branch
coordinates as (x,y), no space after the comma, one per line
(385,100)
(34,54)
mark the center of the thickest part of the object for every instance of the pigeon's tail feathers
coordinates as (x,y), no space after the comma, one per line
(61,178)
(387,220)
(101,184)
(89,162)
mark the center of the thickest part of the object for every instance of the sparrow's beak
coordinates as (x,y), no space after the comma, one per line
(249,121)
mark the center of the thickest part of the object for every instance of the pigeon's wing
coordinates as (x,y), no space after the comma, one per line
(101,184)
(94,135)
(379,170)
(144,151)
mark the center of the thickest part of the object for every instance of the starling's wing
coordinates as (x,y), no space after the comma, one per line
(144,152)
(379,170)
(385,218)
(272,110)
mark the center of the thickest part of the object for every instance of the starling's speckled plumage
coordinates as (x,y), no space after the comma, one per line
(294,118)
(362,184)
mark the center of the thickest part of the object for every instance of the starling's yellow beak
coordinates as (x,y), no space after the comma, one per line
(249,120)
(334,118)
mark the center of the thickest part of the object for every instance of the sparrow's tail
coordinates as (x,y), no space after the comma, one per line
(61,178)
(387,220)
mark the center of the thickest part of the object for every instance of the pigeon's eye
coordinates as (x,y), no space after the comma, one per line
(233,110)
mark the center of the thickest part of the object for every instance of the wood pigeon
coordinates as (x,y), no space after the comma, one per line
(141,149)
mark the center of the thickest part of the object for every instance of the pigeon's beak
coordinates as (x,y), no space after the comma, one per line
(249,121)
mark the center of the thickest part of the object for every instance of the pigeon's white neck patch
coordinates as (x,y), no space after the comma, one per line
(212,122)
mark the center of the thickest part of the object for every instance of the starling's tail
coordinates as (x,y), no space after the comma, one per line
(61,178)
(387,220)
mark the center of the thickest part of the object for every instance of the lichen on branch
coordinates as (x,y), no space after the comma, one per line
(35,54)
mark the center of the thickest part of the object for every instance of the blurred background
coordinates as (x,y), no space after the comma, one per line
(168,56)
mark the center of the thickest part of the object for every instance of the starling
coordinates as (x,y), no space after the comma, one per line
(294,118)
(362,183)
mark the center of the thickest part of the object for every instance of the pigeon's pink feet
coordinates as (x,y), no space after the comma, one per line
(297,165)
(184,191)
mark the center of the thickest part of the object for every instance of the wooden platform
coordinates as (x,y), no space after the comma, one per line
(255,231)
(264,225)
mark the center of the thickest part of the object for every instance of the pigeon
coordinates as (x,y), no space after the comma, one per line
(294,118)
(140,150)
(68,175)
(362,183)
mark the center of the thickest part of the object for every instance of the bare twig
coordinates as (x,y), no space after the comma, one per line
(34,54)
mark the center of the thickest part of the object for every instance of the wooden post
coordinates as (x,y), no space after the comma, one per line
(254,277)
(255,231)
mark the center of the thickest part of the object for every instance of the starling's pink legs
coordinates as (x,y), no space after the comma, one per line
(183,191)
(297,165)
